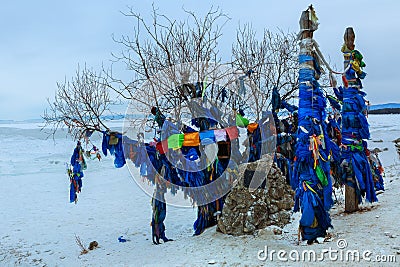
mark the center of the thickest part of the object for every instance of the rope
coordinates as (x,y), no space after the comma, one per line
(320,55)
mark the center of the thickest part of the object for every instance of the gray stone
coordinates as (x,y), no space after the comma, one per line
(246,212)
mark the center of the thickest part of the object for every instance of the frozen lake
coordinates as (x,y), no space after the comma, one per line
(38,224)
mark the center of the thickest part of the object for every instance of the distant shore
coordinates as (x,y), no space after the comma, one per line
(385,111)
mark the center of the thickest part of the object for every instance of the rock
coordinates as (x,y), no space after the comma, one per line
(264,233)
(270,231)
(245,212)
(320,240)
(396,247)
(387,233)
(376,150)
(273,209)
(378,141)
(397,140)
(283,216)
(277,231)
(249,227)
(93,245)
(393,236)
(212,262)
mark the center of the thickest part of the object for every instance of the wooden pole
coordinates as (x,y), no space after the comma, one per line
(351,200)
(311,137)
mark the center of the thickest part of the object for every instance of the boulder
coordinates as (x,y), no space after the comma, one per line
(260,198)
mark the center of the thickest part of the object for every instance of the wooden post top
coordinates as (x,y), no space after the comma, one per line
(349,37)
(308,23)
(348,45)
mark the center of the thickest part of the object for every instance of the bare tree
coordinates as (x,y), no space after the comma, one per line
(79,104)
(182,50)
(156,46)
(169,61)
(269,62)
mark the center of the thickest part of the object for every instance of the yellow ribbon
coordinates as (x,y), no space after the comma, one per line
(309,187)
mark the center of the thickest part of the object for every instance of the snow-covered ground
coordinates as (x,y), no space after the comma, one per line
(38,225)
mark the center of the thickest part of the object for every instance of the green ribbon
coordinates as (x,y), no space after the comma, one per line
(321,175)
(175,141)
(241,121)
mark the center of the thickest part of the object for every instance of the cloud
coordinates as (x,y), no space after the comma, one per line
(44,41)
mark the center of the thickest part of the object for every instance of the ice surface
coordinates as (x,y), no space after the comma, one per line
(38,224)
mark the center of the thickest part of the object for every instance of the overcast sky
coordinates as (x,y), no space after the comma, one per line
(43,41)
